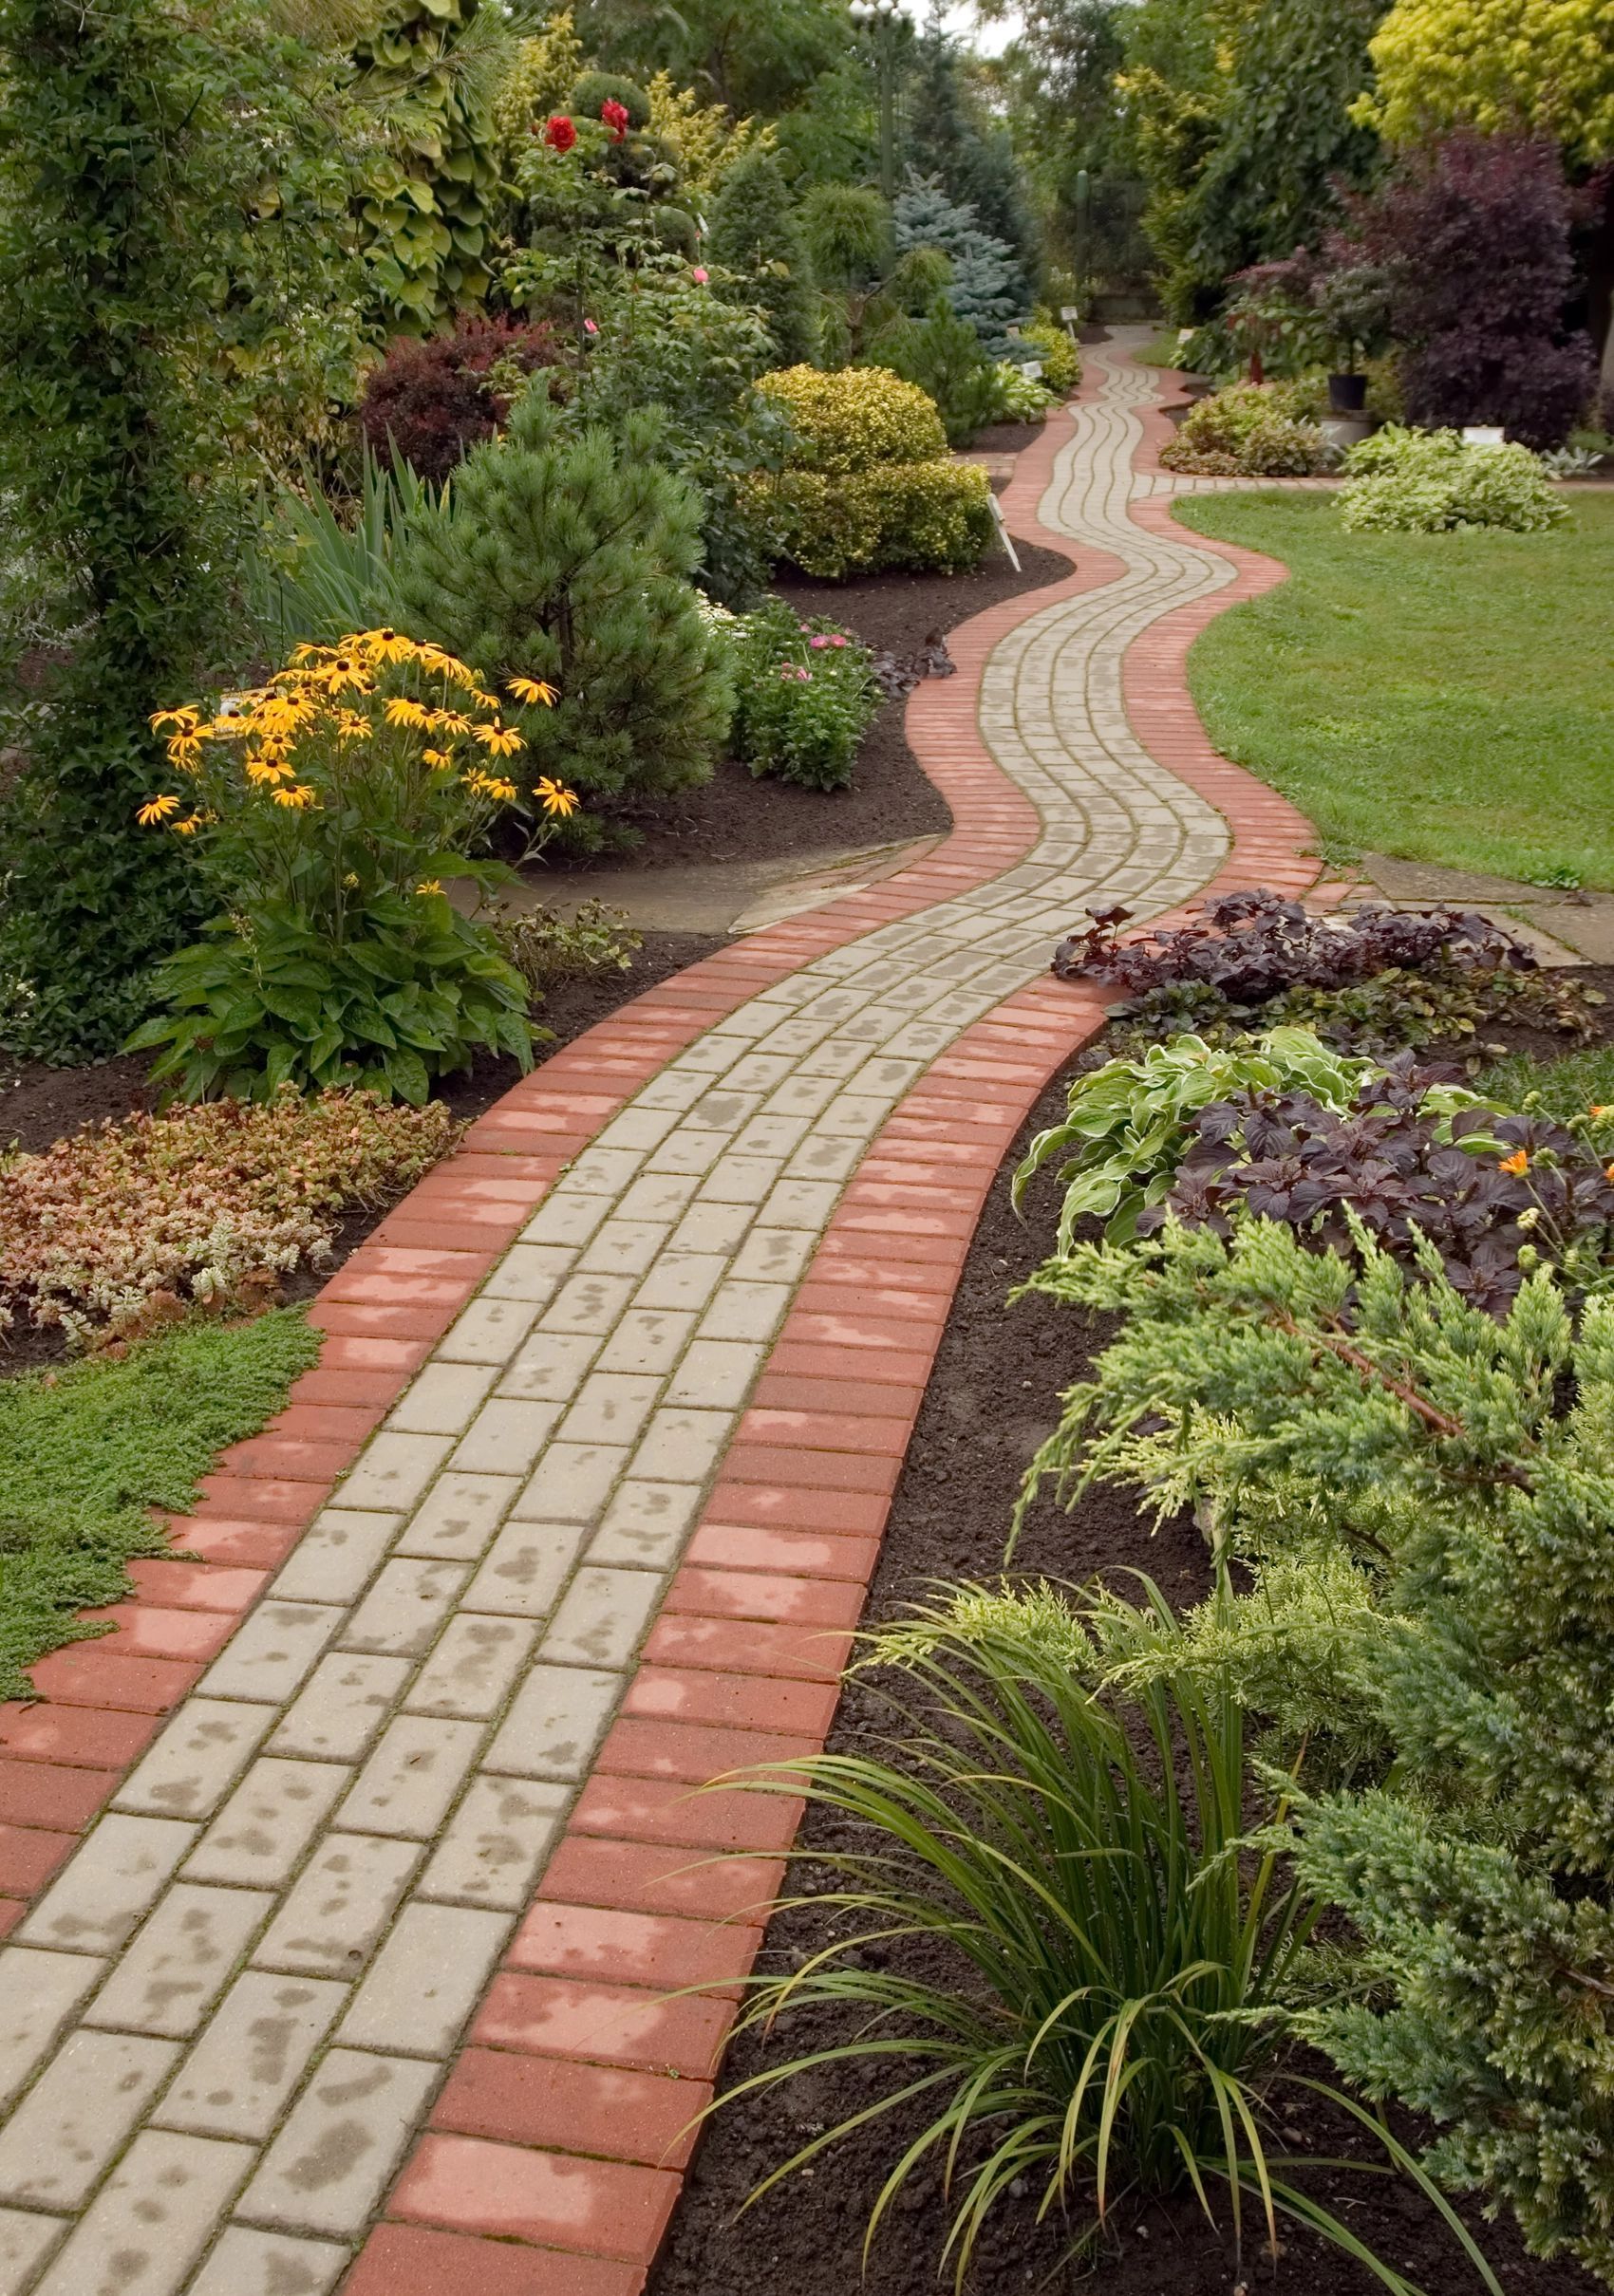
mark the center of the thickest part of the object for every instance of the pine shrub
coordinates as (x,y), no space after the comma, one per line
(942,356)
(564,556)
(757,236)
(1426,1492)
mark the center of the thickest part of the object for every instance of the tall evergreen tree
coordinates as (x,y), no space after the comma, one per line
(757,235)
(973,160)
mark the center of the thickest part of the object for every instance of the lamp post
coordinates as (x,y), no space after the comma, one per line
(881,19)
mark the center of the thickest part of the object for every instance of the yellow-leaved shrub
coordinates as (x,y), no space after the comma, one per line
(870,482)
(855,418)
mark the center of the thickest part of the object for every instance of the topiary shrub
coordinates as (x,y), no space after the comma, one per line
(595,90)
(565,555)
(855,418)
(757,237)
(1428,482)
(869,482)
(429,402)
(1251,430)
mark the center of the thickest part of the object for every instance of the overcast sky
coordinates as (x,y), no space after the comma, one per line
(989,38)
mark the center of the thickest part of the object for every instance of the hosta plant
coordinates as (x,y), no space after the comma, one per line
(1104,1963)
(1129,1126)
(1428,482)
(324,809)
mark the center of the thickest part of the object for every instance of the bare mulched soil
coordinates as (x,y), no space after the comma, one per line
(992,1400)
(735,817)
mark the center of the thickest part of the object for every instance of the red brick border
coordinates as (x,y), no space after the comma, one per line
(100,1704)
(553,2157)
(564,2124)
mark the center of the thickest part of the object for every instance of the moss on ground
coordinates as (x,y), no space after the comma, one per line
(85,1452)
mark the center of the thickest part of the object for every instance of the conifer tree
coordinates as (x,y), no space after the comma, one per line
(565,556)
(1427,1494)
(757,235)
(985,287)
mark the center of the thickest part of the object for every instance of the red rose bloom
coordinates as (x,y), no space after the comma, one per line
(561,133)
(616,117)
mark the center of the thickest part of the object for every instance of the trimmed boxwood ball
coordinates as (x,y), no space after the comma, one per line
(565,555)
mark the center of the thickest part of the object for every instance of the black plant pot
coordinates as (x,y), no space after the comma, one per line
(1347,393)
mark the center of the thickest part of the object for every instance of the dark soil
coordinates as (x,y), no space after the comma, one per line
(992,1400)
(1005,438)
(41,1104)
(734,817)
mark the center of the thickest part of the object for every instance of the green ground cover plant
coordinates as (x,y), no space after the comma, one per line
(87,1452)
(1446,697)
(807,696)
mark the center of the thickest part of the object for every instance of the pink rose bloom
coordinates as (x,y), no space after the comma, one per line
(819,645)
(700,276)
(806,677)
(590,326)
(838,641)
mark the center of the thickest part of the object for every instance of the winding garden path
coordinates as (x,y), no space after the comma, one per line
(368,1955)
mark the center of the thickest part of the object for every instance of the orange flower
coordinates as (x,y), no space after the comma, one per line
(1518,1162)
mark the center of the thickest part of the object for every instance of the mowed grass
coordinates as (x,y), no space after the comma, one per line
(1444,698)
(87,1453)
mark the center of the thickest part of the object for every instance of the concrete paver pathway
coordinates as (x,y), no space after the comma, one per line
(609,1542)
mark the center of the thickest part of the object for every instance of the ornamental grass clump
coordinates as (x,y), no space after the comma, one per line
(324,809)
(130,1224)
(1060,1929)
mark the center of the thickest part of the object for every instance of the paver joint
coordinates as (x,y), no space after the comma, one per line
(428,1805)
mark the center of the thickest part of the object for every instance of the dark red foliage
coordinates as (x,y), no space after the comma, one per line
(1474,235)
(1253,947)
(431,401)
(1283,1156)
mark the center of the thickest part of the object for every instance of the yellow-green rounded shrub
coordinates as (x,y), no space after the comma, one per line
(856,419)
(926,516)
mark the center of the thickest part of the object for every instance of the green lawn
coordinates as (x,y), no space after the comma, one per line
(84,1454)
(1445,697)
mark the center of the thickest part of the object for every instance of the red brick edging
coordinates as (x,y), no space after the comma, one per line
(555,2155)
